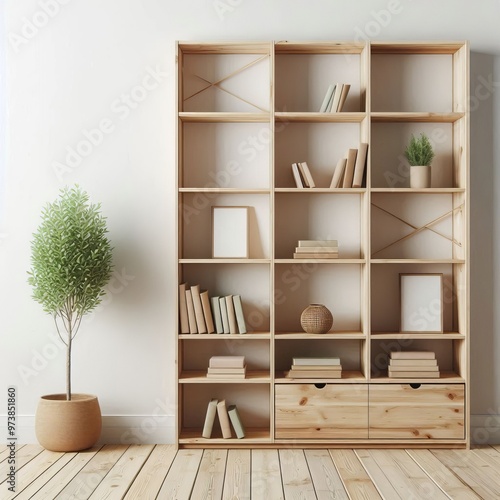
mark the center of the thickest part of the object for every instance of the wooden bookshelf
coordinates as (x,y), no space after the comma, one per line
(242,120)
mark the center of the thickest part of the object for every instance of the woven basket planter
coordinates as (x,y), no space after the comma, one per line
(316,318)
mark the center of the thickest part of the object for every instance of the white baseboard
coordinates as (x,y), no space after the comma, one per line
(485,429)
(154,429)
(116,429)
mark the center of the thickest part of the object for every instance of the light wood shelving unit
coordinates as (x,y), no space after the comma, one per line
(245,112)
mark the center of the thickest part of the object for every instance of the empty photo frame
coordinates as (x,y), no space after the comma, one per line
(230,232)
(421,302)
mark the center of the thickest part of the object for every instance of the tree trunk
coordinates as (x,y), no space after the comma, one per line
(68,367)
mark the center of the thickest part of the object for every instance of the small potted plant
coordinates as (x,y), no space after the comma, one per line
(71,264)
(420,154)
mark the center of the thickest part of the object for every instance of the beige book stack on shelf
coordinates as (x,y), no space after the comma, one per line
(317,249)
(315,368)
(413,364)
(226,367)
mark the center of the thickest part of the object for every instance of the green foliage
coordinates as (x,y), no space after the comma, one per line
(71,257)
(419,151)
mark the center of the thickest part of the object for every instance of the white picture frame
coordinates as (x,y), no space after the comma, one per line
(230,232)
(421,297)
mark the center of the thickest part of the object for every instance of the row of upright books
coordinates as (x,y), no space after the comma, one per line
(199,313)
(348,173)
(228,417)
(324,368)
(317,249)
(226,367)
(335,98)
(413,364)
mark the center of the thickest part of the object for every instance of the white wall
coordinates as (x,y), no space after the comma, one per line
(75,70)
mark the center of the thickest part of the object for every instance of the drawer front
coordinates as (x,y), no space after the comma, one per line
(309,411)
(428,411)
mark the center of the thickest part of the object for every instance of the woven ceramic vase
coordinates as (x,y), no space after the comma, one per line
(316,318)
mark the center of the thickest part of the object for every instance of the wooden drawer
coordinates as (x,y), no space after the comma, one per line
(424,411)
(311,411)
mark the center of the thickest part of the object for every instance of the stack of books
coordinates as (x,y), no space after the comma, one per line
(226,414)
(315,368)
(413,364)
(317,249)
(335,98)
(226,367)
(350,171)
(302,175)
(199,313)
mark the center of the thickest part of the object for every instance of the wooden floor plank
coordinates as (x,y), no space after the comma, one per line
(472,470)
(5,452)
(30,482)
(356,481)
(297,481)
(83,484)
(237,479)
(407,478)
(148,482)
(180,478)
(210,478)
(442,476)
(326,480)
(123,473)
(60,479)
(266,475)
(23,456)
(377,475)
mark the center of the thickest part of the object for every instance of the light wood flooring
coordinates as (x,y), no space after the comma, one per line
(149,472)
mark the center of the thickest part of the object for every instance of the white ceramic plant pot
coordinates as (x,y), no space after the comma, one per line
(420,176)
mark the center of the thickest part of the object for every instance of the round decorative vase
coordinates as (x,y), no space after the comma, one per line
(62,425)
(420,176)
(316,318)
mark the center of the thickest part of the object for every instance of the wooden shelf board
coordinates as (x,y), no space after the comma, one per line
(323,336)
(193,436)
(445,377)
(413,190)
(320,261)
(225,336)
(224,261)
(224,48)
(313,117)
(286,47)
(431,47)
(417,261)
(321,190)
(417,335)
(220,117)
(225,190)
(348,377)
(390,117)
(200,377)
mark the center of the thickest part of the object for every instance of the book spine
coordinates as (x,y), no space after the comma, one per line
(216,314)
(338,173)
(227,362)
(343,96)
(236,421)
(238,310)
(209,419)
(316,361)
(327,99)
(296,176)
(316,255)
(231,314)
(191,314)
(318,243)
(198,309)
(349,168)
(207,312)
(183,314)
(336,98)
(223,312)
(224,419)
(359,168)
(412,355)
(305,168)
